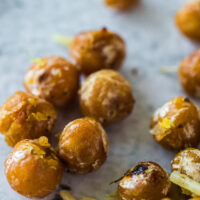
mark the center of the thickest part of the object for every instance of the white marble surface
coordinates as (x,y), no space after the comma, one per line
(27,27)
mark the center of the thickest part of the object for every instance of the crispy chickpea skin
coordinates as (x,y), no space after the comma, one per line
(188,20)
(186,171)
(54,79)
(83,145)
(176,125)
(33,168)
(120,4)
(145,181)
(26,117)
(96,50)
(189,74)
(106,96)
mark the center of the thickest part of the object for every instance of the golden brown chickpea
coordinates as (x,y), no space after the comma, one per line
(95,50)
(186,171)
(83,145)
(120,4)
(188,20)
(145,181)
(26,117)
(106,96)
(33,169)
(52,78)
(176,125)
(189,74)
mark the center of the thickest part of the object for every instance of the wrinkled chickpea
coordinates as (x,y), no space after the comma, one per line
(24,116)
(96,50)
(107,96)
(33,168)
(176,125)
(54,79)
(145,181)
(186,171)
(83,145)
(189,74)
(120,4)
(188,20)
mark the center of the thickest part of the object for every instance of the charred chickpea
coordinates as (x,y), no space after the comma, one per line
(188,20)
(96,50)
(24,116)
(120,4)
(107,96)
(83,145)
(145,181)
(52,78)
(186,171)
(189,74)
(176,125)
(33,168)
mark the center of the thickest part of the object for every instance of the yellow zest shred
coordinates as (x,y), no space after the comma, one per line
(169,69)
(30,81)
(166,123)
(43,141)
(40,116)
(113,196)
(66,195)
(33,101)
(43,116)
(27,147)
(63,40)
(186,192)
(39,61)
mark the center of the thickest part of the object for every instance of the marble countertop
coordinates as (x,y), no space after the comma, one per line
(27,28)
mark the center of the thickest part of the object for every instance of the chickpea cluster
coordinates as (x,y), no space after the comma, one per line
(34,168)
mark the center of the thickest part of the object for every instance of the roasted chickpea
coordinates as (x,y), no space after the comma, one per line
(186,171)
(106,96)
(26,117)
(120,4)
(176,125)
(33,169)
(52,78)
(145,181)
(189,74)
(188,20)
(95,50)
(83,145)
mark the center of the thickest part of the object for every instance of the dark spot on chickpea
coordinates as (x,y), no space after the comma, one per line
(139,169)
(187,99)
(180,126)
(42,77)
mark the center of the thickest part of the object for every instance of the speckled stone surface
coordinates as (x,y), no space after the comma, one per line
(27,28)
